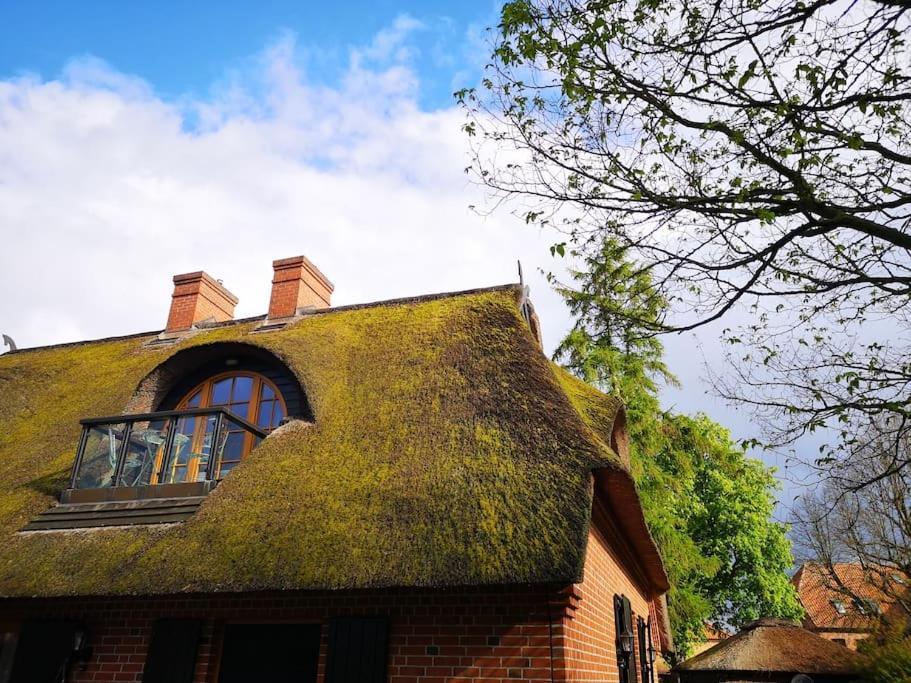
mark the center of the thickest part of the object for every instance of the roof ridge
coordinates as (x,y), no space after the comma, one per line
(400,301)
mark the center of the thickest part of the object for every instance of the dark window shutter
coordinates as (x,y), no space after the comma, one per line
(358,650)
(623,624)
(622,662)
(642,633)
(633,676)
(651,651)
(171,657)
(43,651)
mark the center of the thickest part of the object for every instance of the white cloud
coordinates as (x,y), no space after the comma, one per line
(106,191)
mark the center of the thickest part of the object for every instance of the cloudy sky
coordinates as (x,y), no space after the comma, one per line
(141,140)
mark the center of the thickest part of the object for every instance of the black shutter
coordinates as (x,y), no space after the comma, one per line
(171,657)
(358,650)
(642,633)
(628,631)
(43,651)
(622,661)
(651,651)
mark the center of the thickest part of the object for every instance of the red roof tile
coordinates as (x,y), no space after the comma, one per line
(828,600)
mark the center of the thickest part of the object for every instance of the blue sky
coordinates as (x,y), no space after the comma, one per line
(142,140)
(182,48)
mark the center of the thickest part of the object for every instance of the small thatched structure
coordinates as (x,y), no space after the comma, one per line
(771,650)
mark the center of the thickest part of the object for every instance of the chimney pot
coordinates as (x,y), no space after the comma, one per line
(297,283)
(197,297)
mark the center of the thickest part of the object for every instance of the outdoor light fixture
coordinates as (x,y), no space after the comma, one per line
(230,362)
(627,643)
(82,651)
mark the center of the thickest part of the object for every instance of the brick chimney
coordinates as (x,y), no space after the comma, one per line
(197,297)
(297,283)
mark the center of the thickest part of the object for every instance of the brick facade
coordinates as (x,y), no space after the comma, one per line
(494,635)
(588,630)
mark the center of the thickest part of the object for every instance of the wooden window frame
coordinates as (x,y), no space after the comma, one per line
(205,388)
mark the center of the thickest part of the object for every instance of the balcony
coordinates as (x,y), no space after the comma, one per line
(158,455)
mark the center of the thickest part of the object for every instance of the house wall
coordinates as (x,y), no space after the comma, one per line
(532,634)
(588,634)
(479,635)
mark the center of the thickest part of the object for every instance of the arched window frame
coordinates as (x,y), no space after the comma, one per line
(205,389)
(207,386)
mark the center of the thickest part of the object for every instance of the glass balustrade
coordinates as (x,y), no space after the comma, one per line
(170,447)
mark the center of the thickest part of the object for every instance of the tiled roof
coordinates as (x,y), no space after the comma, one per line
(828,599)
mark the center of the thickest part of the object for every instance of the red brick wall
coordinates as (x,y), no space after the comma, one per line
(492,636)
(588,637)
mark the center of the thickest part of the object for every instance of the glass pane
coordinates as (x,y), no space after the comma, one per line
(278,415)
(189,454)
(239,409)
(225,468)
(146,447)
(178,475)
(99,457)
(221,392)
(264,420)
(234,446)
(193,401)
(243,387)
(267,391)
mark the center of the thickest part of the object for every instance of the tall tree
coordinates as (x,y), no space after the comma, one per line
(748,153)
(709,507)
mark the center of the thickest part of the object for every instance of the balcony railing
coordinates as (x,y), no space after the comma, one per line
(169,447)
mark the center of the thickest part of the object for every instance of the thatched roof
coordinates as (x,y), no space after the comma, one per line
(773,646)
(445,450)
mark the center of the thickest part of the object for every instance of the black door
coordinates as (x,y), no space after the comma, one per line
(269,653)
(43,651)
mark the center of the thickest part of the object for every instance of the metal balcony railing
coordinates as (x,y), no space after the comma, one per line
(169,447)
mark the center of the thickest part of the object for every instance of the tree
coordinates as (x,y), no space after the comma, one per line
(868,524)
(709,507)
(749,154)
(887,654)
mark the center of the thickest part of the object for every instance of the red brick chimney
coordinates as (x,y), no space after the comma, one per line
(197,297)
(297,283)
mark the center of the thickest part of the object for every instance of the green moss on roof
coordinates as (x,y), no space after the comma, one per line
(446,450)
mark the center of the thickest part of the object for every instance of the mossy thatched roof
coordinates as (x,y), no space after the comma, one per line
(445,450)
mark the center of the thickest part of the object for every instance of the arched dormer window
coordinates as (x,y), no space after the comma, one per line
(189,423)
(246,394)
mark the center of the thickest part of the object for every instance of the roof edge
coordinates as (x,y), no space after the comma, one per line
(401,301)
(624,503)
